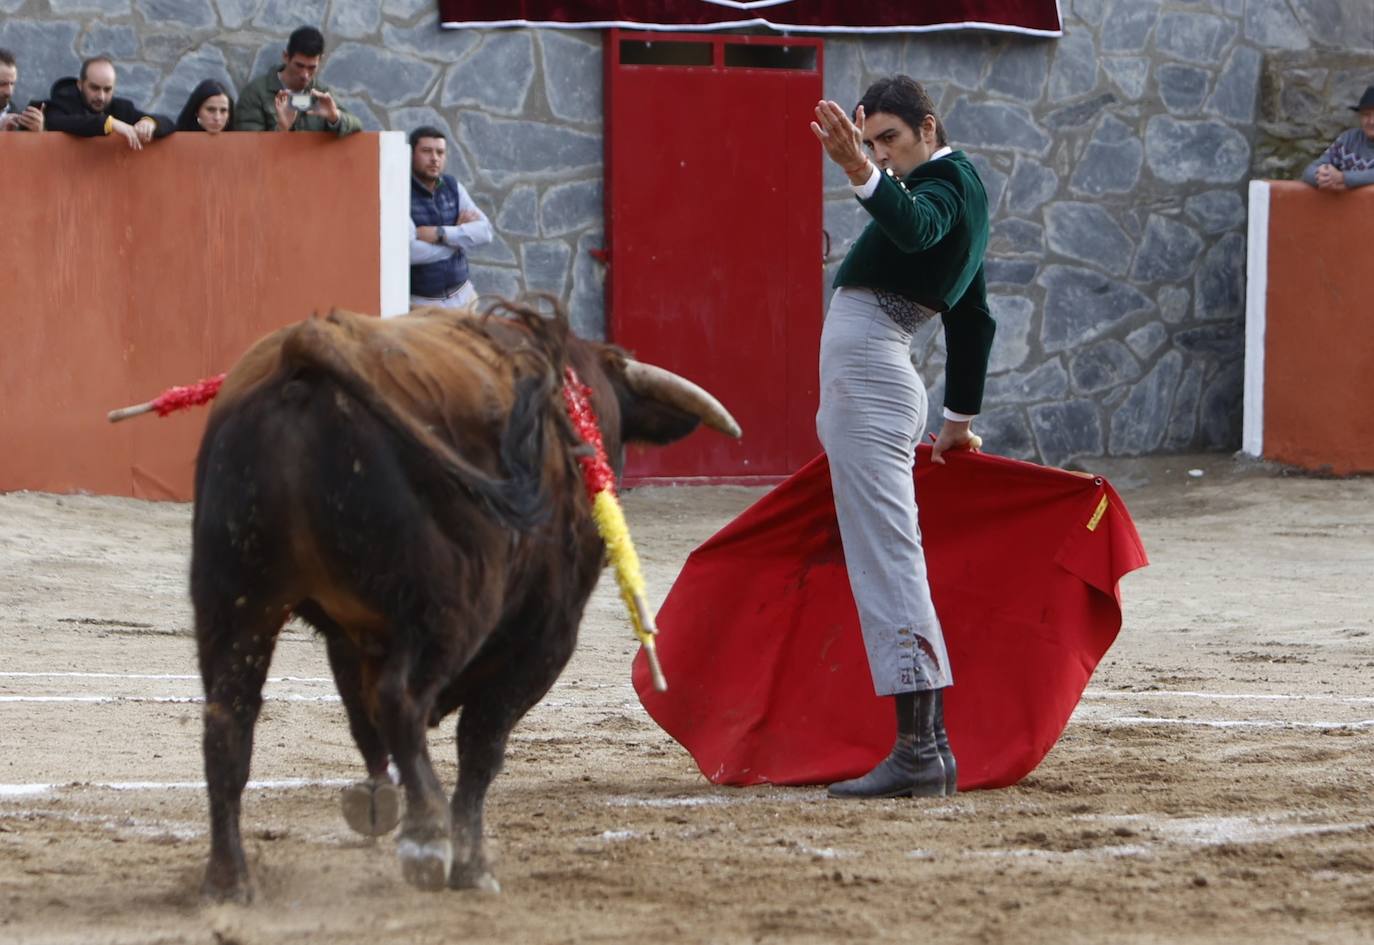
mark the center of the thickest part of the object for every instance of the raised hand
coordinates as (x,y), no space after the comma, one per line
(325,106)
(286,115)
(842,139)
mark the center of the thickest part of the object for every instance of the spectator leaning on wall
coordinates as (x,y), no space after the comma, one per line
(210,109)
(1349,161)
(444,225)
(12,117)
(86,106)
(289,99)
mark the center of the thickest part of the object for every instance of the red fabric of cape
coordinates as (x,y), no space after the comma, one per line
(768,680)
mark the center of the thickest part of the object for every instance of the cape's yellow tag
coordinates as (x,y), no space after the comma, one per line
(1097,514)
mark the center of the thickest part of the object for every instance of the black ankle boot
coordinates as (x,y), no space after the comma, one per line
(942,743)
(913,768)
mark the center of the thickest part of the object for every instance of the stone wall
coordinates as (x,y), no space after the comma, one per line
(1116,160)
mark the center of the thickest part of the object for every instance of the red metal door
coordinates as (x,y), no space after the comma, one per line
(713,184)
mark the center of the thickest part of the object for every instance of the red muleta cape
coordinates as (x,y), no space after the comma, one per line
(768,680)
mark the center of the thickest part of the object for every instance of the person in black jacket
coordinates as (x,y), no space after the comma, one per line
(87,107)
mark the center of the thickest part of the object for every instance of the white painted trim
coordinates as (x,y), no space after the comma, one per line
(736,24)
(1256,301)
(394,247)
(747,4)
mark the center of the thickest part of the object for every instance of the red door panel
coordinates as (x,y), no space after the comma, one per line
(714,224)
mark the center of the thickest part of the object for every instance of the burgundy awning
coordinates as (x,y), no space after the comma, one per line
(1039,17)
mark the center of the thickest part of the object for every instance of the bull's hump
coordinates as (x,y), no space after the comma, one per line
(445,368)
(257,364)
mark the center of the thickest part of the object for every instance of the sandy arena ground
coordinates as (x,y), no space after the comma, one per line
(1216,784)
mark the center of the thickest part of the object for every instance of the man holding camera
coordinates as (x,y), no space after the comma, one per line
(12,117)
(444,225)
(289,99)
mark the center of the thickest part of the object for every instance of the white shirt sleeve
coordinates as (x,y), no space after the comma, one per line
(958,417)
(869,187)
(468,235)
(422,252)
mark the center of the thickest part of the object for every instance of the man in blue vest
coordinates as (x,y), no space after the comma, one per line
(445,224)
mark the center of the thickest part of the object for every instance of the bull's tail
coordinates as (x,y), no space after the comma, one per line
(515,500)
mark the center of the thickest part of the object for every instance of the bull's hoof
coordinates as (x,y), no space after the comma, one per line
(426,865)
(372,808)
(480,880)
(237,890)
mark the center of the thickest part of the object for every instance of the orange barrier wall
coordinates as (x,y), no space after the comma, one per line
(123,273)
(1318,377)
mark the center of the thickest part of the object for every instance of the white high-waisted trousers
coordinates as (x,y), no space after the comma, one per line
(872,414)
(462,297)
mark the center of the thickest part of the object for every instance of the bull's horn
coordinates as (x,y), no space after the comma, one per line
(651,381)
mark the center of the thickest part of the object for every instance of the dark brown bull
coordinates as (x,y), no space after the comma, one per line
(410,488)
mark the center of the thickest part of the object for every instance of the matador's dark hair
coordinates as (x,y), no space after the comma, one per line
(903,96)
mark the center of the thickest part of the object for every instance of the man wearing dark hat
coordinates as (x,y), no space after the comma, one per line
(1349,162)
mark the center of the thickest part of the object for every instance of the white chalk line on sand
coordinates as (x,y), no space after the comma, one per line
(1172,833)
(129,826)
(1087,694)
(1178,832)
(1145,720)
(1227,696)
(176,676)
(1079,716)
(172,700)
(281,784)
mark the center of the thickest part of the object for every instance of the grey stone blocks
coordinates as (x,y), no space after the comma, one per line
(1115,160)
